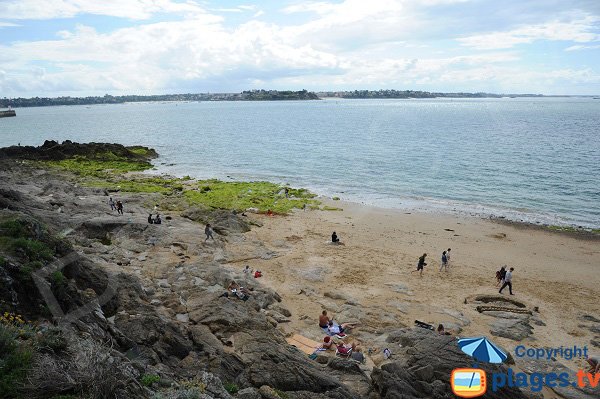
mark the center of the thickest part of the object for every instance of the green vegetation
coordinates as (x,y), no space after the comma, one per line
(331,208)
(281,394)
(58,279)
(336,198)
(15,357)
(244,195)
(149,379)
(231,388)
(137,184)
(15,238)
(99,168)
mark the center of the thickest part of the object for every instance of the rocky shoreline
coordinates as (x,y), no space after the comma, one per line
(138,311)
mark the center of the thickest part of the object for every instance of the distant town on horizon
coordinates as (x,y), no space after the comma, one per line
(255,95)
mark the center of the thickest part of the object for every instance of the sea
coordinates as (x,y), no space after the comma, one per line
(534,160)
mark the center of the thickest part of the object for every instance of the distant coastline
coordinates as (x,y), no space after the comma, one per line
(256,95)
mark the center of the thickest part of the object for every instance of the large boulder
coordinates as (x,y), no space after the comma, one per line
(421,365)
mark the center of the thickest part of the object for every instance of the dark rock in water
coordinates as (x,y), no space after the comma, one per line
(53,151)
(421,368)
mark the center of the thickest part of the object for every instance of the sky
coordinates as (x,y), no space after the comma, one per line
(51,48)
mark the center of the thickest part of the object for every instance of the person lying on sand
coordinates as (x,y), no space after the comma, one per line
(340,328)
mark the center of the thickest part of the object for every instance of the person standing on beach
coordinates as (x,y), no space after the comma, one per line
(208,231)
(500,274)
(508,281)
(119,207)
(444,261)
(111,203)
(448,256)
(421,264)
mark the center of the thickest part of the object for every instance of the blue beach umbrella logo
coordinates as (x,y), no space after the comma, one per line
(482,350)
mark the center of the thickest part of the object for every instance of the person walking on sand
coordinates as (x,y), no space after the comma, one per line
(111,203)
(421,264)
(208,231)
(508,281)
(119,207)
(448,256)
(500,274)
(444,261)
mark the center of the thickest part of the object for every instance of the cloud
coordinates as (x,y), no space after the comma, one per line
(581,47)
(7,24)
(327,45)
(581,30)
(133,9)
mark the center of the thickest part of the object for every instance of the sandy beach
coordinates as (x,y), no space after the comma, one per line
(557,273)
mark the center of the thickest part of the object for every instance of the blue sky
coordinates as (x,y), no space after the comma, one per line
(85,47)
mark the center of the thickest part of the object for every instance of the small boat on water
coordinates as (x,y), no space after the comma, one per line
(7,113)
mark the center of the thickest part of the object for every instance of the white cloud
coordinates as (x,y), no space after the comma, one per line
(133,9)
(346,44)
(7,24)
(580,30)
(582,47)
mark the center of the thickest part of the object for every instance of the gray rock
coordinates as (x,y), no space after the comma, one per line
(421,368)
(515,329)
(280,309)
(248,393)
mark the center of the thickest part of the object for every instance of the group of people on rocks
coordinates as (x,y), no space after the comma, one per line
(116,205)
(336,334)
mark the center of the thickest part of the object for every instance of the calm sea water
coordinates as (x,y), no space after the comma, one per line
(527,159)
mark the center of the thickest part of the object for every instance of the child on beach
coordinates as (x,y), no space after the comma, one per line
(208,231)
(421,264)
(444,261)
(500,276)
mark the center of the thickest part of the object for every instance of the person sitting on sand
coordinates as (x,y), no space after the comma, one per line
(157,219)
(441,330)
(327,342)
(247,269)
(324,320)
(269,212)
(334,238)
(150,220)
(594,362)
(421,264)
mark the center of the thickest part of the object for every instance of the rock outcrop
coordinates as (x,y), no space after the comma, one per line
(421,364)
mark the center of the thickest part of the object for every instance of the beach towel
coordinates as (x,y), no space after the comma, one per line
(306,345)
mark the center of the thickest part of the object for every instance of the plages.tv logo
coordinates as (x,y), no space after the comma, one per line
(472,382)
